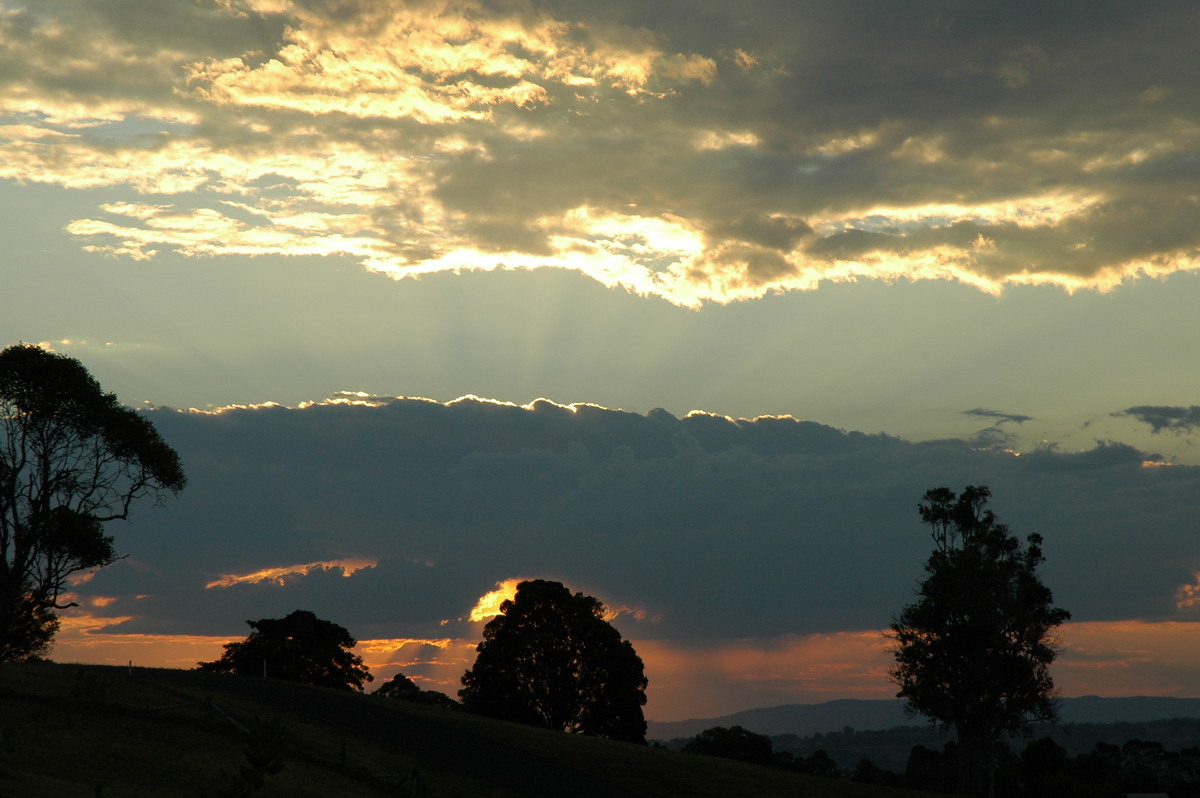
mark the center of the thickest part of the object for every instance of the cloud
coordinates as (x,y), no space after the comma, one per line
(1128,658)
(756,557)
(740,673)
(489,603)
(696,527)
(280,575)
(997,416)
(698,157)
(995,437)
(76,345)
(1173,419)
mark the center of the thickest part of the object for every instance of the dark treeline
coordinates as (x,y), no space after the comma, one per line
(889,748)
(1072,761)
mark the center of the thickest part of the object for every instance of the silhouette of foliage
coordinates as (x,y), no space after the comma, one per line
(819,763)
(71,459)
(733,742)
(298,648)
(1043,766)
(867,772)
(929,769)
(973,651)
(402,688)
(551,660)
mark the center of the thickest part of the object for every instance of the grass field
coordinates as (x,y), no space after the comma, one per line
(75,730)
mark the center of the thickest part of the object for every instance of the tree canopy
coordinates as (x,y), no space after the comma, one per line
(298,648)
(733,742)
(71,459)
(973,651)
(402,688)
(551,660)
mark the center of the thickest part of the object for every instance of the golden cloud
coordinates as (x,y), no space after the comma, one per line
(434,63)
(1188,596)
(280,575)
(488,605)
(564,138)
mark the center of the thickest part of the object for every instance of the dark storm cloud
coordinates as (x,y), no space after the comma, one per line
(1172,419)
(707,526)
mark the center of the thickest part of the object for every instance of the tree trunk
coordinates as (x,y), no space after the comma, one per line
(976,764)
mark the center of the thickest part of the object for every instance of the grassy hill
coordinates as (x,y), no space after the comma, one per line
(76,730)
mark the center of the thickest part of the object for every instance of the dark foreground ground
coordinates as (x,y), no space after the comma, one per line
(70,730)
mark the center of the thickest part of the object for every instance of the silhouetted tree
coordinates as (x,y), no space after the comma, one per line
(867,772)
(973,652)
(298,648)
(1044,769)
(733,742)
(402,688)
(71,459)
(818,763)
(930,770)
(551,660)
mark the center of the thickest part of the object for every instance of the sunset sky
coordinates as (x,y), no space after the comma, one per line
(881,246)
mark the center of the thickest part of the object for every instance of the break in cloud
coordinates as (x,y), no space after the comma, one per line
(696,151)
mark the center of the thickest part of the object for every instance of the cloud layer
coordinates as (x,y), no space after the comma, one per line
(400,514)
(696,151)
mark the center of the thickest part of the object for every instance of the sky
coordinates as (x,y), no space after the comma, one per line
(684,304)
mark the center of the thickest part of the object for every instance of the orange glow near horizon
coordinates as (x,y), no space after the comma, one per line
(698,679)
(1134,657)
(711,678)
(280,574)
(84,638)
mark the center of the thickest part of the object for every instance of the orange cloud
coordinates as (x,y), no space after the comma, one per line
(1133,657)
(711,678)
(1188,596)
(281,574)
(393,645)
(489,603)
(83,637)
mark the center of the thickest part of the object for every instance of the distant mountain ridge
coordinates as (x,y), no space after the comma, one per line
(867,714)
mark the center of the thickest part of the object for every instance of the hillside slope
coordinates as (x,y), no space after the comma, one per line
(93,730)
